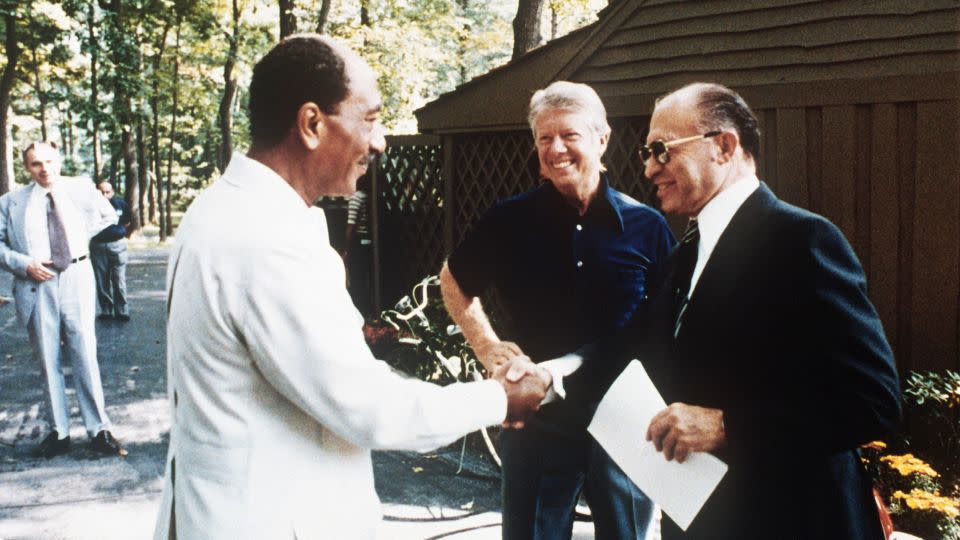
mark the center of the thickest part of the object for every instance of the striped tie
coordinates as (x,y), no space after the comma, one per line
(686,261)
(59,248)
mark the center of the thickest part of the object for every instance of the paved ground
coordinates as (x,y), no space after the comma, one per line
(82,496)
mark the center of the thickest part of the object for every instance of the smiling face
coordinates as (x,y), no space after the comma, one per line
(569,149)
(43,163)
(353,134)
(692,176)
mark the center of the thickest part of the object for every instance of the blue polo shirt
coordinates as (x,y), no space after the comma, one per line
(564,280)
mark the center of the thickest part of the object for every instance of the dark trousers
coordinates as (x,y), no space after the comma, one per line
(543,474)
(110,269)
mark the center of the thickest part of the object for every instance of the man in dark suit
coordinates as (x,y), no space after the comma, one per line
(759,334)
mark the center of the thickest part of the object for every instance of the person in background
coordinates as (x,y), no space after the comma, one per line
(358,253)
(108,250)
(45,231)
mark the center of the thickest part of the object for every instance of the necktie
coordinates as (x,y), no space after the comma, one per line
(59,248)
(686,261)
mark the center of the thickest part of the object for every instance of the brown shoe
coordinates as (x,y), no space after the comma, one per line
(104,443)
(52,446)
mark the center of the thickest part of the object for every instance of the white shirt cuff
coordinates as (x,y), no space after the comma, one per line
(560,368)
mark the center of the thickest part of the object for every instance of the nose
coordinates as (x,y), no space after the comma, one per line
(651,168)
(378,142)
(557,144)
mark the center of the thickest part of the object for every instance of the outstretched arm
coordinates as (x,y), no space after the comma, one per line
(468,313)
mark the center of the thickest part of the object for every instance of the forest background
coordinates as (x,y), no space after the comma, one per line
(151,94)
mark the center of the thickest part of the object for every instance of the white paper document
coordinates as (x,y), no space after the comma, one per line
(620,426)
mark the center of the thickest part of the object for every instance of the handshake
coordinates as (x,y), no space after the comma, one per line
(526,385)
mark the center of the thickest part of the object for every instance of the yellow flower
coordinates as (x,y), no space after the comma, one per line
(907,464)
(919,499)
(875,445)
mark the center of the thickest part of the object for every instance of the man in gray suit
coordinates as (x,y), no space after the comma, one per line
(45,229)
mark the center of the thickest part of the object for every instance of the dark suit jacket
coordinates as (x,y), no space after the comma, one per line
(781,336)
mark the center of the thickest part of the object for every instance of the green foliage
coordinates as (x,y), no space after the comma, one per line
(923,492)
(419,48)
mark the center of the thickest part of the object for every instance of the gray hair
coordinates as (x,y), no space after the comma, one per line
(570,96)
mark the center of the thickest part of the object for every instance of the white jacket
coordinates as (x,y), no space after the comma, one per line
(276,397)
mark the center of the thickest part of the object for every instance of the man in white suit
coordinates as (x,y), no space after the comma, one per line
(45,230)
(276,398)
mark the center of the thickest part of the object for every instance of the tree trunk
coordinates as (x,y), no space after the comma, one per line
(173,133)
(288,20)
(125,53)
(225,118)
(526,26)
(114,157)
(554,22)
(7,80)
(131,174)
(464,5)
(141,169)
(324,15)
(94,93)
(41,97)
(69,144)
(155,195)
(365,13)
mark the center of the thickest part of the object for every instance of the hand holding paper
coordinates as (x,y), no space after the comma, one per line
(680,429)
(620,424)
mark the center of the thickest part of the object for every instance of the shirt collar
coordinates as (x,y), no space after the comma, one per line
(250,173)
(716,215)
(605,207)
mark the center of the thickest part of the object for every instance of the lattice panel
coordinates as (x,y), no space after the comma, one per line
(489,167)
(622,160)
(411,189)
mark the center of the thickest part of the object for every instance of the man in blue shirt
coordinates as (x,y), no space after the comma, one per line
(109,253)
(569,260)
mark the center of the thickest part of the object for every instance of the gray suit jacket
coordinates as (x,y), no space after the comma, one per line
(97,215)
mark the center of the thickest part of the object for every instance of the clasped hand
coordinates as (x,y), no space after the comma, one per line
(526,385)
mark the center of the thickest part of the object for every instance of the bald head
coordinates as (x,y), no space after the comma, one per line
(718,108)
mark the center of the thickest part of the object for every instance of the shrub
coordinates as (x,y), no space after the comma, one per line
(923,495)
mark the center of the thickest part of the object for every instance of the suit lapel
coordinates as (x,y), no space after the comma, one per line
(724,271)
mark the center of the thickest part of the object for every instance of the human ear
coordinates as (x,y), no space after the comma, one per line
(727,141)
(310,124)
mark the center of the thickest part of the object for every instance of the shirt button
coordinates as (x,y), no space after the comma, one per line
(579,264)
(579,227)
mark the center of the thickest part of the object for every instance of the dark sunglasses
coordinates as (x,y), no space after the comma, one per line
(661,149)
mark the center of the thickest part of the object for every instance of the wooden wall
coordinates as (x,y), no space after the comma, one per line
(888,174)
(662,44)
(859,103)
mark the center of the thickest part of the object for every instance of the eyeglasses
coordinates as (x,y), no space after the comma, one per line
(661,149)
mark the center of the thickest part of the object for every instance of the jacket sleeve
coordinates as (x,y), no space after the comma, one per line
(305,337)
(844,389)
(102,214)
(10,259)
